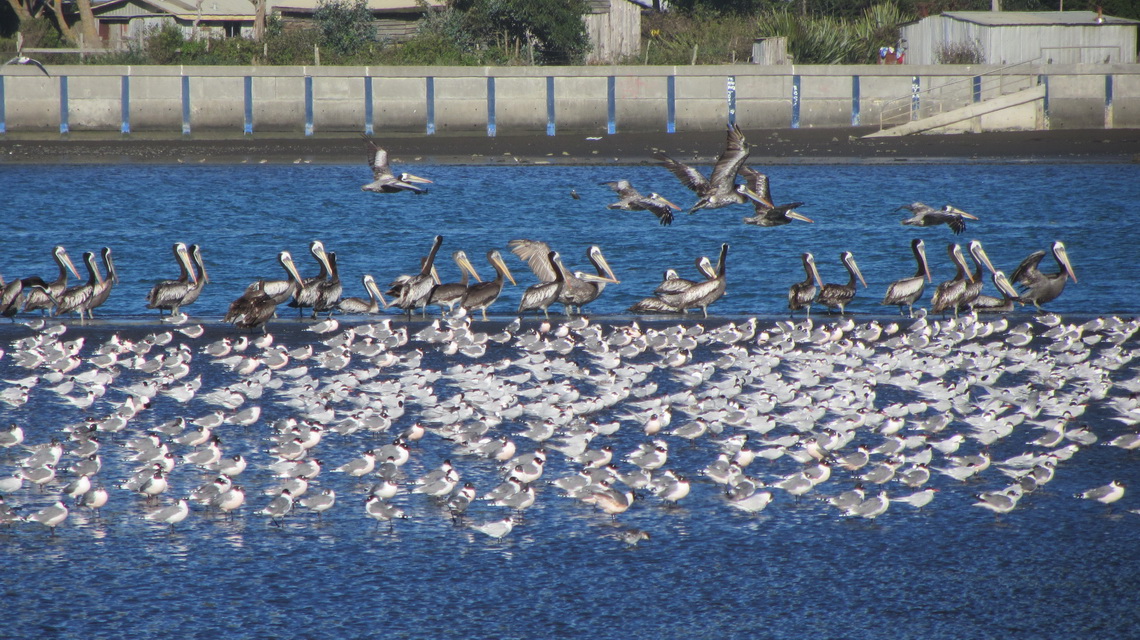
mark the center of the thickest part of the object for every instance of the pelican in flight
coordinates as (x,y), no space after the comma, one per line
(542,295)
(990,304)
(41,298)
(254,308)
(949,293)
(23,59)
(802,294)
(701,294)
(767,214)
(482,295)
(168,294)
(839,295)
(927,216)
(411,292)
(579,289)
(383,180)
(908,290)
(451,293)
(719,189)
(630,199)
(1038,287)
(360,305)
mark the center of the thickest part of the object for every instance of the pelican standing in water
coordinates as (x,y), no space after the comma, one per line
(41,299)
(704,293)
(1038,287)
(74,299)
(802,294)
(839,295)
(908,290)
(254,308)
(974,286)
(306,297)
(542,295)
(412,292)
(201,277)
(12,294)
(949,293)
(168,294)
(579,288)
(630,199)
(451,293)
(329,291)
(927,216)
(383,180)
(103,289)
(767,214)
(719,189)
(360,305)
(482,295)
(990,304)
(672,285)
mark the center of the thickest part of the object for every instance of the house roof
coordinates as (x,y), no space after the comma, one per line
(375,6)
(1027,18)
(239,9)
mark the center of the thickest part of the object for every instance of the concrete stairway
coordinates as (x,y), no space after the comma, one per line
(970,117)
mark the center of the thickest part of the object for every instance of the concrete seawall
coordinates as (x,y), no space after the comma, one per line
(543,100)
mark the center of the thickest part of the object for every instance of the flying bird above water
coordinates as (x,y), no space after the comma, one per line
(630,199)
(767,214)
(22,59)
(383,180)
(719,189)
(927,216)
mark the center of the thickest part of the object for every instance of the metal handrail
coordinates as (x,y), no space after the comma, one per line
(956,94)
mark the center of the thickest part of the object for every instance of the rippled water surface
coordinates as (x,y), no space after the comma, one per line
(1055,566)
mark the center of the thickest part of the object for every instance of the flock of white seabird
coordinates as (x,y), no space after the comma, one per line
(447,422)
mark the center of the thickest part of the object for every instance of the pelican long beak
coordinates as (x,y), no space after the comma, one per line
(503,267)
(666,202)
(985,259)
(950,209)
(71,265)
(1003,285)
(921,250)
(1063,258)
(855,268)
(370,284)
(435,275)
(110,265)
(590,277)
(815,274)
(184,259)
(287,261)
(796,215)
(753,196)
(464,263)
(606,267)
(407,177)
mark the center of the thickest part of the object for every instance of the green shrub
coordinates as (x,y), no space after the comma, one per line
(345,25)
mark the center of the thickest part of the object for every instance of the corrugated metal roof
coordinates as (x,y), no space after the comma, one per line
(1027,18)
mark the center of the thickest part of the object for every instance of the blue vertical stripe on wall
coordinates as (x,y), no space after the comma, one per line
(730,88)
(185,105)
(3,127)
(854,101)
(1044,79)
(308,105)
(491,106)
(671,104)
(248,105)
(1108,101)
(795,102)
(125,104)
(550,126)
(915,87)
(611,105)
(368,126)
(64,127)
(430,105)
(977,88)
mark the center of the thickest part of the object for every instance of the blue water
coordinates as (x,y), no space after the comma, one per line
(1056,566)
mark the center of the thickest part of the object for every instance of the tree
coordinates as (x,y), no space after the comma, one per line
(553,29)
(345,25)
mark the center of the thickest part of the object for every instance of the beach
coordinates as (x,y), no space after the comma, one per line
(772,146)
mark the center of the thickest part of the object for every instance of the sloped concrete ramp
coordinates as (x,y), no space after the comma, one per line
(1022,119)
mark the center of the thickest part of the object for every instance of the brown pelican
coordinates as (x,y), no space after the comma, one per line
(1037,287)
(306,297)
(383,180)
(40,299)
(630,199)
(974,286)
(838,295)
(360,305)
(653,305)
(12,294)
(927,216)
(544,294)
(990,304)
(579,288)
(201,277)
(947,294)
(451,293)
(704,293)
(720,189)
(254,309)
(907,290)
(74,299)
(412,292)
(328,292)
(802,294)
(482,295)
(767,214)
(168,294)
(103,289)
